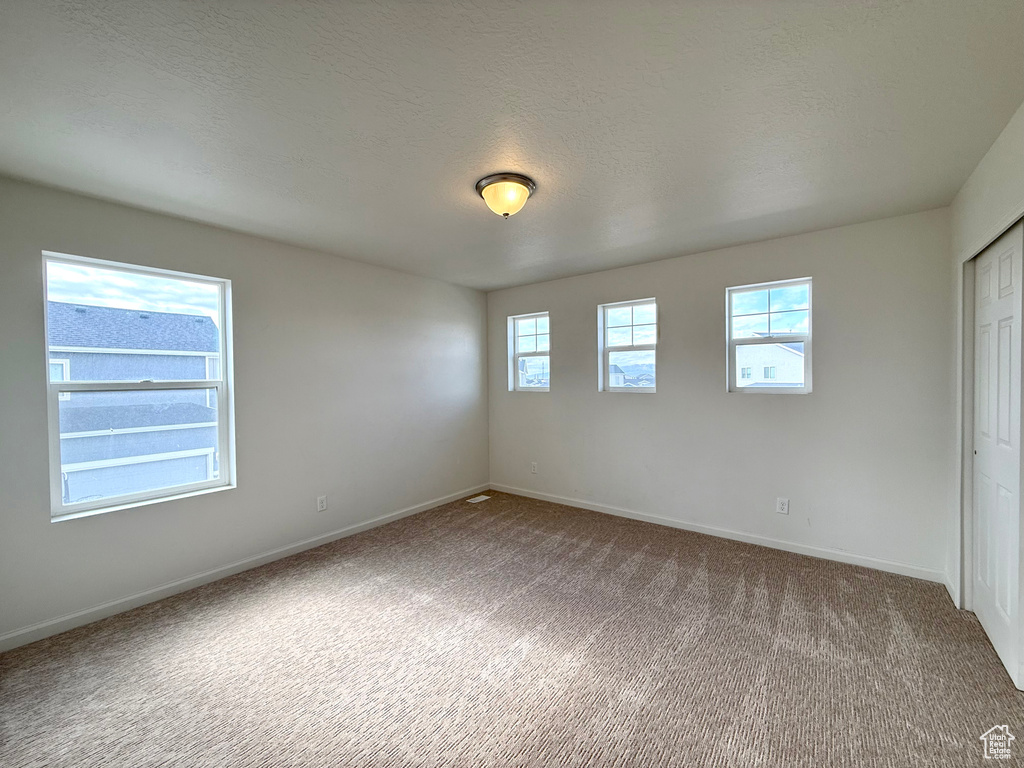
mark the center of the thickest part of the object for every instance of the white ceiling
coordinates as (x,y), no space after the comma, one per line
(653,128)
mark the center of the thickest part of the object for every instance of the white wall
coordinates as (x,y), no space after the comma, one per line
(865,458)
(307,327)
(989,202)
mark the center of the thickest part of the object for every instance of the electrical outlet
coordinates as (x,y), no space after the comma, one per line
(321,503)
(533,467)
(782,506)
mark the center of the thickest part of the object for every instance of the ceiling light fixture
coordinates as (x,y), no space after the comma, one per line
(505,193)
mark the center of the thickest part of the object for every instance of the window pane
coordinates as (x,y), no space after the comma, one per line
(749,302)
(786,361)
(631,369)
(118,443)
(645,334)
(115,325)
(788,322)
(527,343)
(790,297)
(617,316)
(751,325)
(542,324)
(526,327)
(620,337)
(534,372)
(56,372)
(543,343)
(644,314)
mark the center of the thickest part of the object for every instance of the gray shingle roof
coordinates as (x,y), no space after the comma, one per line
(79,325)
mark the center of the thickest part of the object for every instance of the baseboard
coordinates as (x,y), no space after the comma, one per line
(954,592)
(79,618)
(954,588)
(890,566)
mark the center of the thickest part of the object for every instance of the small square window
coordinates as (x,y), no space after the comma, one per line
(60,370)
(769,331)
(530,353)
(628,343)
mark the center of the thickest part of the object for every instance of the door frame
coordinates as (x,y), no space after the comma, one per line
(960,553)
(964,598)
(961,584)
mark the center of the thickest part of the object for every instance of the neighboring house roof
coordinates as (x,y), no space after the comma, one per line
(80,325)
(615,369)
(792,346)
(95,418)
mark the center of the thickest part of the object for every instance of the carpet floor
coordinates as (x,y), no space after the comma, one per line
(518,633)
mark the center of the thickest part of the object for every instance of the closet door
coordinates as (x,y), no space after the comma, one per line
(997,469)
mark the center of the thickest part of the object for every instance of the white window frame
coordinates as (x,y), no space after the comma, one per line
(732,370)
(149,458)
(211,396)
(515,355)
(136,431)
(604,373)
(65,364)
(57,391)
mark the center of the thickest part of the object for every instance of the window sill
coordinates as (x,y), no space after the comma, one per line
(770,391)
(60,518)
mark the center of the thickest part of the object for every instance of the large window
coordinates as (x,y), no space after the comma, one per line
(530,347)
(770,337)
(628,339)
(139,384)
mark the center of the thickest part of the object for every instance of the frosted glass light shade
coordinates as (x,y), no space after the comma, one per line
(505,193)
(505,198)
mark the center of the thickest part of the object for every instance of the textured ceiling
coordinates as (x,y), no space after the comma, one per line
(653,129)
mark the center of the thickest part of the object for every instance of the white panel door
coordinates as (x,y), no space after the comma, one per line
(997,470)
